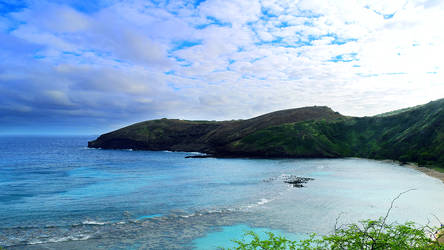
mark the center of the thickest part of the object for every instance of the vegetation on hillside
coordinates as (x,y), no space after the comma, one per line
(415,135)
(204,136)
(408,135)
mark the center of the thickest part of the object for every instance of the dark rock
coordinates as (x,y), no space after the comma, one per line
(297,181)
(198,156)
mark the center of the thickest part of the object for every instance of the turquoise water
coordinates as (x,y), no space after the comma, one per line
(57,194)
(223,237)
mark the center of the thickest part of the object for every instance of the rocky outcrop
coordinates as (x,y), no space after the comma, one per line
(297,181)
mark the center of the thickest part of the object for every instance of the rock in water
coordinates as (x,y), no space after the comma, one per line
(297,181)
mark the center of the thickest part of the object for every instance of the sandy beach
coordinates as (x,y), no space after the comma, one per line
(427,171)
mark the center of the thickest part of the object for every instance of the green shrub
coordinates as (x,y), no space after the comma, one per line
(369,234)
(273,242)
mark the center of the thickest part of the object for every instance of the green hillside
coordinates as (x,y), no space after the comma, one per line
(409,135)
(415,135)
(203,136)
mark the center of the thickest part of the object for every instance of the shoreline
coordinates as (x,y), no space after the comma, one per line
(428,171)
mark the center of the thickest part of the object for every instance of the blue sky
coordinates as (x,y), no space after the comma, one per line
(91,66)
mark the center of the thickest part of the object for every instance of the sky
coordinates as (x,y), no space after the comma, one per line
(88,67)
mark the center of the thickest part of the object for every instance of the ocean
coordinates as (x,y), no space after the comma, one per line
(55,193)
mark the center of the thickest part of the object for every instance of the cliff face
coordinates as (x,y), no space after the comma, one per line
(415,134)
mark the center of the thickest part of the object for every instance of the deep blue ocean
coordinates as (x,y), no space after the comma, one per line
(55,193)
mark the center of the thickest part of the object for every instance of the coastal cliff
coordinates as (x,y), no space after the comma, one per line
(409,135)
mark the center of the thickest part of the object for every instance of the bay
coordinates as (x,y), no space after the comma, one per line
(57,194)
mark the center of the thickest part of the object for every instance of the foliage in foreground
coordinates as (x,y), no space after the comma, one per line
(368,234)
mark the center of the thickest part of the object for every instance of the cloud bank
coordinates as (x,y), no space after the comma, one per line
(90,66)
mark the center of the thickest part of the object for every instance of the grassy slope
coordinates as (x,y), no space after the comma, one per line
(415,135)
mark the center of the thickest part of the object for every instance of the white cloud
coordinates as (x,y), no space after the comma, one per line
(230,59)
(236,12)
